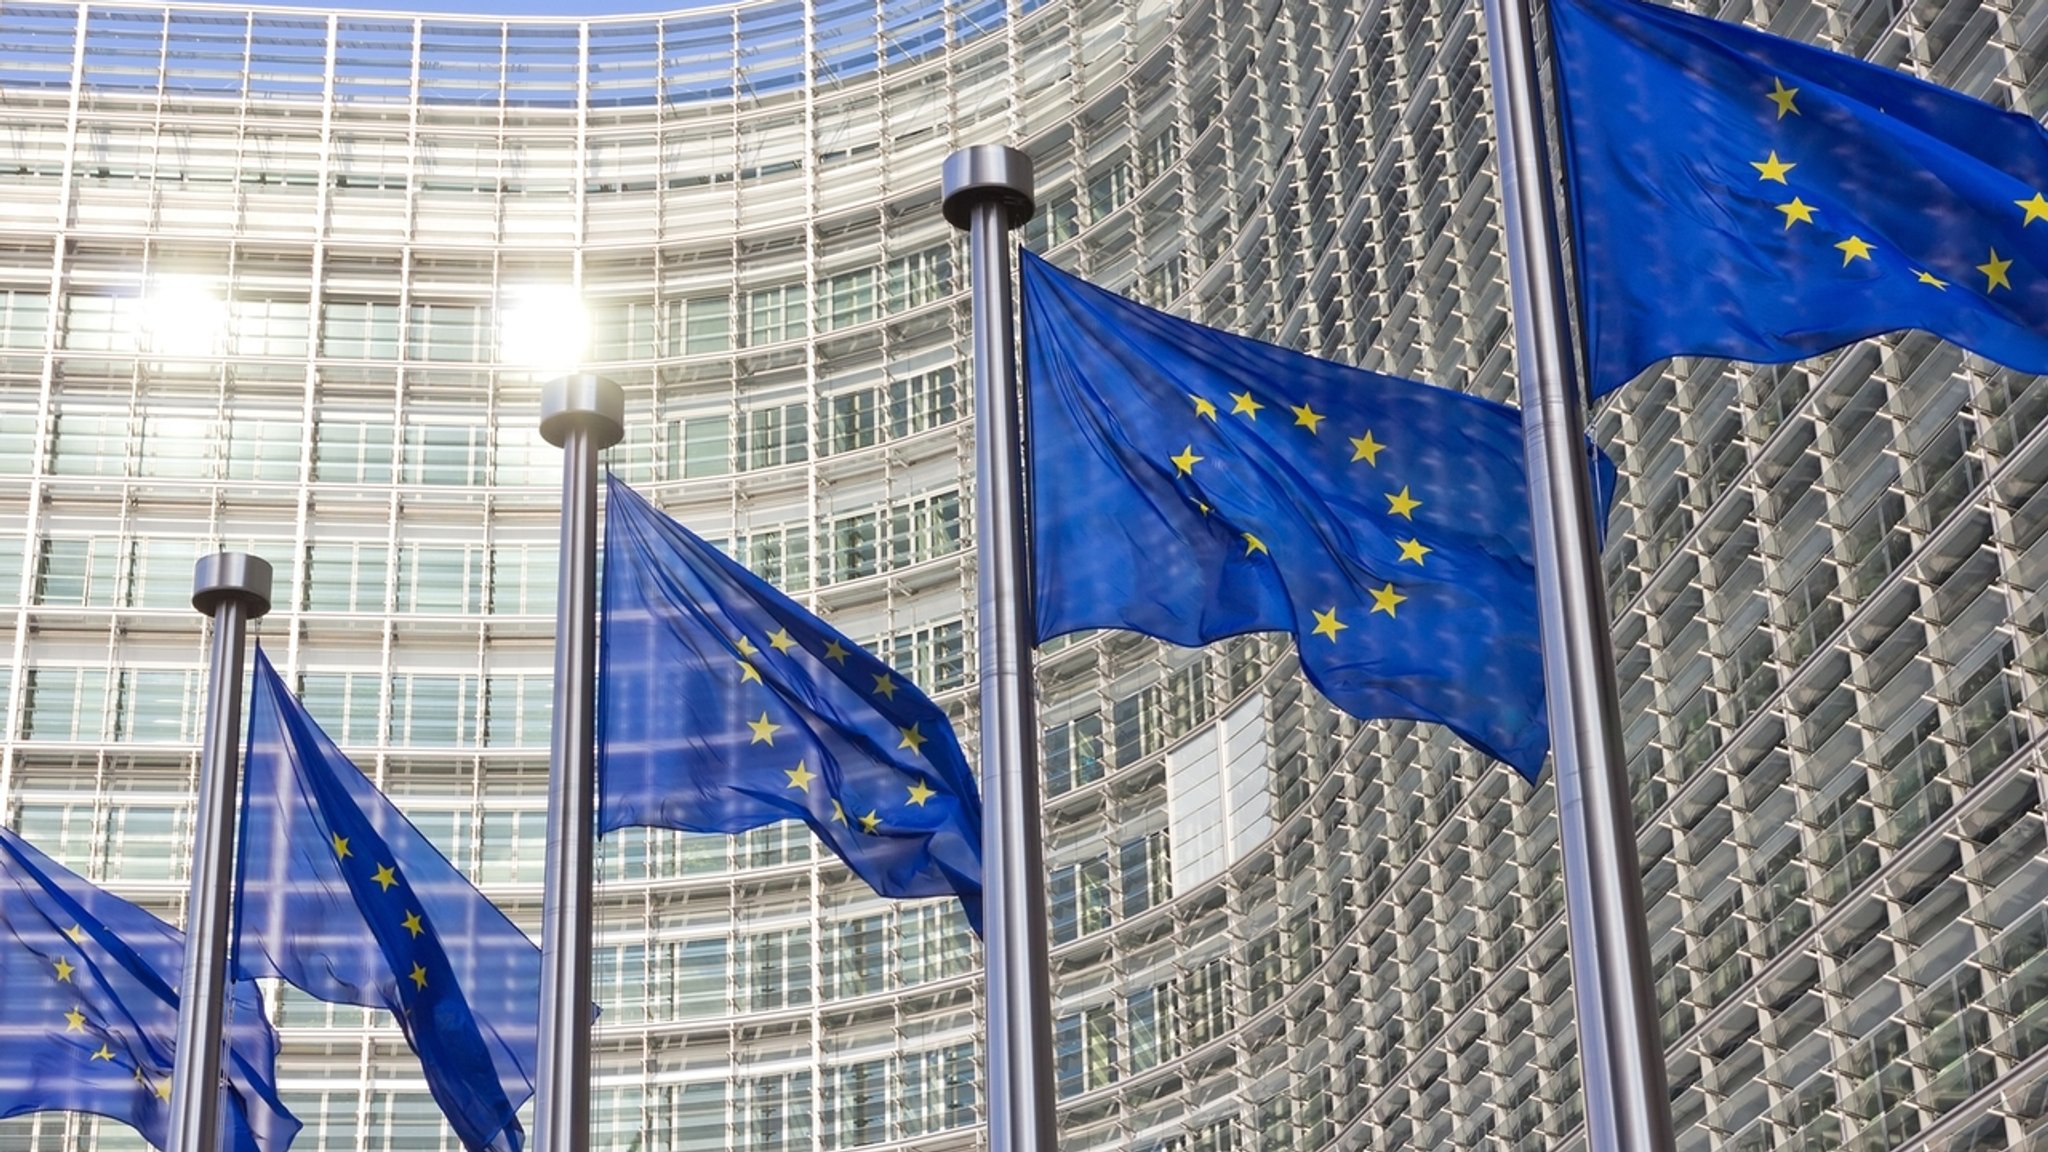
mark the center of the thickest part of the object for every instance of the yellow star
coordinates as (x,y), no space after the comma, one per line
(919,794)
(764,730)
(885,687)
(1307,417)
(341,847)
(746,647)
(163,1090)
(1243,403)
(1327,624)
(749,672)
(800,777)
(105,1053)
(64,970)
(1367,449)
(1925,278)
(1204,507)
(835,651)
(1782,97)
(1203,407)
(1384,599)
(838,813)
(1797,212)
(419,976)
(1854,248)
(412,923)
(1186,461)
(780,641)
(1401,504)
(1254,544)
(1994,272)
(912,739)
(76,933)
(1772,168)
(2037,209)
(385,877)
(870,822)
(1413,550)
(74,1021)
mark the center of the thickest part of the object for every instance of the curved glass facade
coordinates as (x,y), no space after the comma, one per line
(253,266)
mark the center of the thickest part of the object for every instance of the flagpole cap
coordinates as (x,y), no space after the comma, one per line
(987,172)
(226,576)
(582,401)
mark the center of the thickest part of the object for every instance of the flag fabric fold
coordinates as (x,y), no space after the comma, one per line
(1192,485)
(1737,194)
(340,896)
(89,1018)
(724,705)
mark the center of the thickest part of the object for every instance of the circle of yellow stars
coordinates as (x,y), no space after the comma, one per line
(1996,269)
(885,686)
(1365,449)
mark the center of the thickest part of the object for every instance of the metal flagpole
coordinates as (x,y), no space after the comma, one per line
(988,192)
(1621,1054)
(233,588)
(582,415)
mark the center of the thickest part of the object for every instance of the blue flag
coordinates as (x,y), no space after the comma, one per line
(340,896)
(1193,485)
(89,1011)
(724,705)
(1738,194)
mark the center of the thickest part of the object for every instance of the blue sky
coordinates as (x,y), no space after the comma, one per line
(509,7)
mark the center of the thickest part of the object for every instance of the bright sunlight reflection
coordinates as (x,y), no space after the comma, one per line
(183,317)
(543,328)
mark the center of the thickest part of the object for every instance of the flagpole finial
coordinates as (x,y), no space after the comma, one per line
(987,171)
(583,400)
(231,575)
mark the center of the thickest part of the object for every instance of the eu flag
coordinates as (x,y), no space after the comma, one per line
(340,896)
(1737,194)
(1193,485)
(89,1013)
(724,705)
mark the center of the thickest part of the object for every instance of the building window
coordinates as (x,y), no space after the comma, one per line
(432,710)
(101,323)
(445,454)
(264,450)
(64,704)
(625,330)
(778,434)
(1084,1050)
(343,576)
(352,452)
(72,573)
(854,960)
(924,529)
(270,327)
(781,556)
(1150,1011)
(934,657)
(443,579)
(856,546)
(176,447)
(1147,873)
(857,1103)
(359,330)
(448,333)
(23,317)
(346,704)
(920,278)
(90,444)
(1080,899)
(849,299)
(850,420)
(707,325)
(775,314)
(924,401)
(1073,754)
(707,447)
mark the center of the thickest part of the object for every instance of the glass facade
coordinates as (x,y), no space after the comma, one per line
(252,266)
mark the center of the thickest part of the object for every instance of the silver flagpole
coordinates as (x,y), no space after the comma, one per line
(1621,1055)
(233,588)
(582,415)
(987,193)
